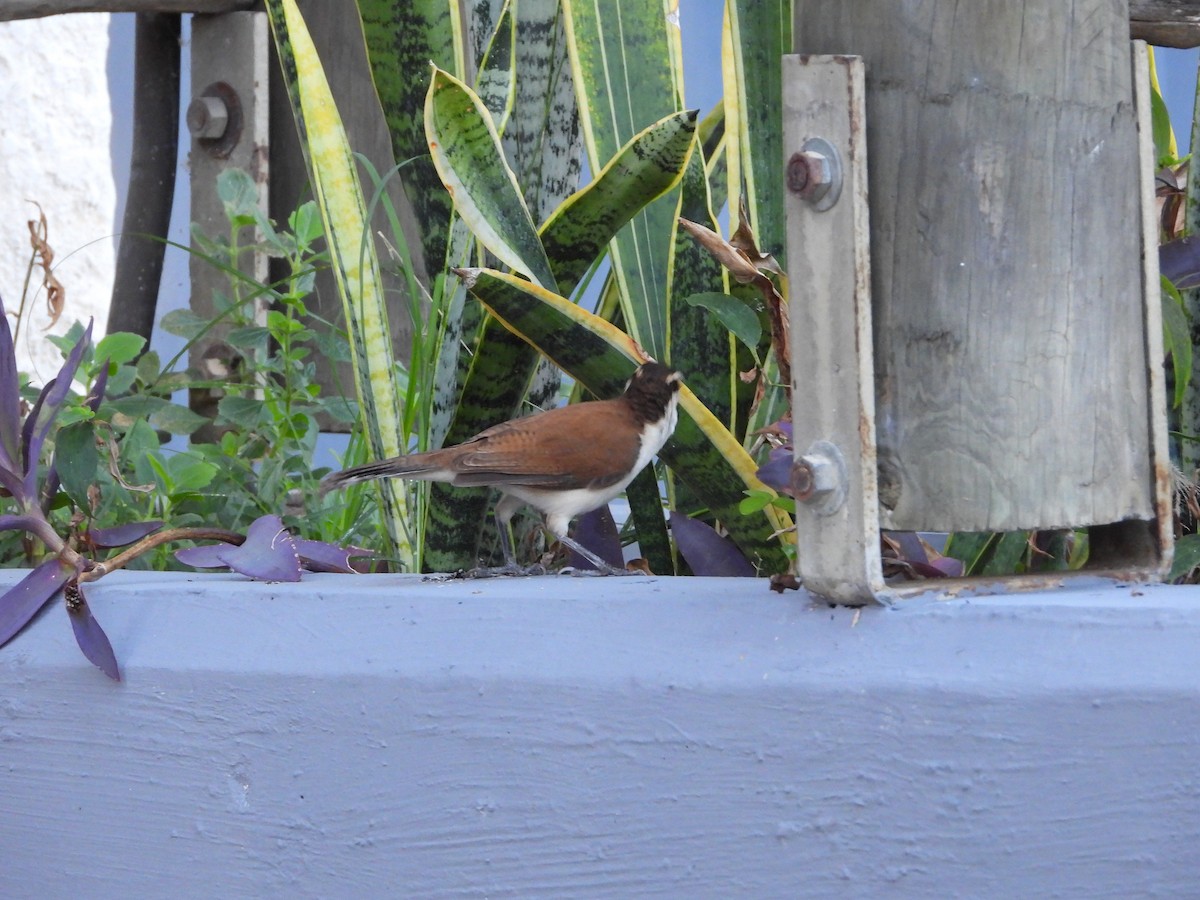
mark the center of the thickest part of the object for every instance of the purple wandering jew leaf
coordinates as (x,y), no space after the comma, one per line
(1179,261)
(49,403)
(10,398)
(911,548)
(99,386)
(319,556)
(88,634)
(269,553)
(949,566)
(120,535)
(706,552)
(22,601)
(15,522)
(925,570)
(207,556)
(777,471)
(12,482)
(597,530)
(29,426)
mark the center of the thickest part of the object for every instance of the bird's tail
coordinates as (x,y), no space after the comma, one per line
(416,466)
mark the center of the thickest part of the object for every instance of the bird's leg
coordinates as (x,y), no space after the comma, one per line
(504,513)
(602,567)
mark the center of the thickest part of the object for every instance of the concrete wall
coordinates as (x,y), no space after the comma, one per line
(55,135)
(385,736)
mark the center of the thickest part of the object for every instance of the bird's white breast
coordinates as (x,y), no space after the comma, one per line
(654,435)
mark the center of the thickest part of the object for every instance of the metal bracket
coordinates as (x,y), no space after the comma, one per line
(833,391)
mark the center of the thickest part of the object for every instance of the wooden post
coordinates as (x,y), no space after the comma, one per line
(1013,384)
(1017,345)
(229,70)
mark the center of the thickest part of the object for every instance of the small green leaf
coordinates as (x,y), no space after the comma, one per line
(1177,338)
(76,459)
(243,410)
(754,501)
(120,381)
(306,224)
(238,193)
(735,315)
(190,473)
(176,419)
(184,323)
(148,367)
(1187,556)
(120,347)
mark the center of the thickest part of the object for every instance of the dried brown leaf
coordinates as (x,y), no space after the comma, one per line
(56,294)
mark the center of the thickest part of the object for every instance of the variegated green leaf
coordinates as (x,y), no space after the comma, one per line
(356,269)
(650,164)
(496,82)
(702,452)
(466,152)
(757,34)
(622,64)
(700,344)
(402,38)
(542,139)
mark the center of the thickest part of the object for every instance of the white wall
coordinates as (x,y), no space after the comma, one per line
(55,136)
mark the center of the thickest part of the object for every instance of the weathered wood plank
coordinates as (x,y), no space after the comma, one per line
(1011,366)
(36,9)
(1168,24)
(1156,21)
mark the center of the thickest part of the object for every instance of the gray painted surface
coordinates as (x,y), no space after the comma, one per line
(381,736)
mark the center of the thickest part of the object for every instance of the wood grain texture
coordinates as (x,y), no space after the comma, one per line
(381,736)
(35,9)
(1166,23)
(1006,240)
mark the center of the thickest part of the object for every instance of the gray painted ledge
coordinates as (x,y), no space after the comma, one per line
(381,736)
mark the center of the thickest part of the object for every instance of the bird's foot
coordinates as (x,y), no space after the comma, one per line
(511,570)
(603,569)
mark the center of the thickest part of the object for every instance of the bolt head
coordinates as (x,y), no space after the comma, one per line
(207,117)
(809,174)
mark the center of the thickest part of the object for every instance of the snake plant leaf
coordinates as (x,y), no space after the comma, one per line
(702,452)
(625,72)
(496,82)
(700,344)
(402,38)
(356,269)
(541,139)
(756,35)
(650,164)
(468,157)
